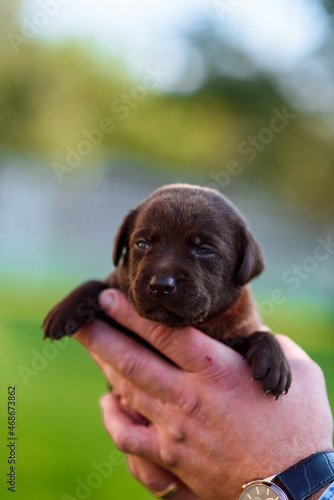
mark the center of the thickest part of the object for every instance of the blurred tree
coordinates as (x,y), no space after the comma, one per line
(55,98)
(297,161)
(329,5)
(9,14)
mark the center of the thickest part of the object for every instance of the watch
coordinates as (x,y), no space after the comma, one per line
(296,483)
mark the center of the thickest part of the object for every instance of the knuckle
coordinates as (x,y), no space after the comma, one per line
(177,432)
(168,456)
(317,368)
(150,480)
(127,390)
(190,405)
(127,443)
(127,365)
(161,336)
(120,440)
(159,413)
(311,367)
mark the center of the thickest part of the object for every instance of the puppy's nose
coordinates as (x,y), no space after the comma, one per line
(162,285)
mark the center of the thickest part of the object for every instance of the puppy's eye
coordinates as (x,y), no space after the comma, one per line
(205,251)
(142,245)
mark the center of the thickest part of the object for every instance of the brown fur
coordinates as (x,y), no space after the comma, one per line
(185,256)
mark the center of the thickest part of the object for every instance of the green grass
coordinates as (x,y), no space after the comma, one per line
(58,420)
(59,426)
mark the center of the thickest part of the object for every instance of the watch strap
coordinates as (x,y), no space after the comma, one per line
(307,476)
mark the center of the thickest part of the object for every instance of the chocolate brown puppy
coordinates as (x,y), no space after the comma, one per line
(185,256)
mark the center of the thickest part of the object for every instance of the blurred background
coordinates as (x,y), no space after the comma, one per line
(100,103)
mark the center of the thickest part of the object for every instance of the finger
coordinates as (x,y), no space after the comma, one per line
(113,378)
(185,346)
(140,406)
(116,382)
(130,395)
(156,479)
(137,403)
(135,399)
(109,372)
(303,367)
(132,360)
(128,436)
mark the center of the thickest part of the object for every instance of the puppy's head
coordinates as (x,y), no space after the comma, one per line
(184,253)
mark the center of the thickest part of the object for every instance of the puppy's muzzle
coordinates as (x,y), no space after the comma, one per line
(162,285)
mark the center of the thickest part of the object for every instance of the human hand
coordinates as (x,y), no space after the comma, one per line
(210,425)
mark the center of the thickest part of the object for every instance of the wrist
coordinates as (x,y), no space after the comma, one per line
(307,479)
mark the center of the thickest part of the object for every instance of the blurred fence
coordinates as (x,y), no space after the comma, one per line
(51,227)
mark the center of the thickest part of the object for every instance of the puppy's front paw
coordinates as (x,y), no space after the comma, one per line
(268,362)
(78,308)
(60,321)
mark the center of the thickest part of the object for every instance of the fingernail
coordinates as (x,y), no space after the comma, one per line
(107,300)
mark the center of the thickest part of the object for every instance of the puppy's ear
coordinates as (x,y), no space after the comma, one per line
(252,259)
(123,236)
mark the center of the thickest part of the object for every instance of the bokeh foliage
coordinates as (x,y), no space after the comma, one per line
(50,93)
